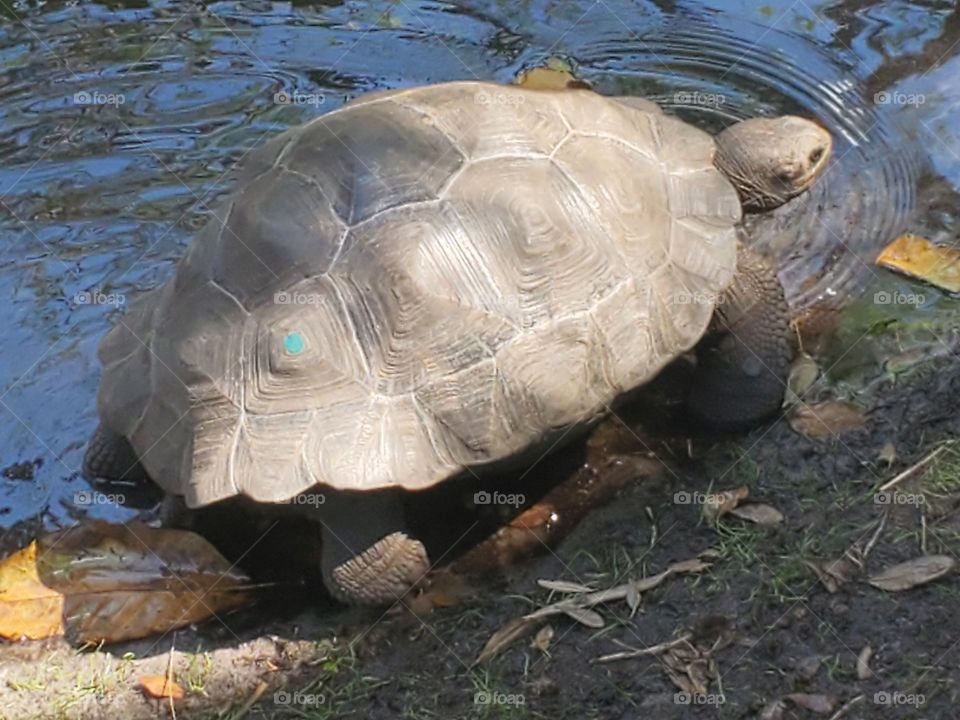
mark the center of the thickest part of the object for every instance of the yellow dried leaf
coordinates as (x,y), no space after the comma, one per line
(28,608)
(918,257)
(556,76)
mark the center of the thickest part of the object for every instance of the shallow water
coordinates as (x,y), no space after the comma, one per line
(118,120)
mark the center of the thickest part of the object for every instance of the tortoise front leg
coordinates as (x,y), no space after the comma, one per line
(368,558)
(744,360)
(111,457)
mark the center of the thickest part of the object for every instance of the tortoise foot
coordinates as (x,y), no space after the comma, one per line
(382,574)
(110,457)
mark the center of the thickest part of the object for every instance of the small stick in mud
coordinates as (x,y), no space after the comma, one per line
(652,650)
(915,468)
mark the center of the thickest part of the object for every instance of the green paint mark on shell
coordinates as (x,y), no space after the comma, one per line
(293,343)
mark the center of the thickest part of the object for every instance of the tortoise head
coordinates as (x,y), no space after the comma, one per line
(771,160)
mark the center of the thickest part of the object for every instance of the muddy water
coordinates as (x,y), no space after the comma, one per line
(118,121)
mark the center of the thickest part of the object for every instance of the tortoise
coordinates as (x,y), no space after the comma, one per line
(438,280)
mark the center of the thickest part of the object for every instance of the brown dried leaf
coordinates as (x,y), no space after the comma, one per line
(814,703)
(918,257)
(888,453)
(504,637)
(863,663)
(773,711)
(719,504)
(564,586)
(758,513)
(585,617)
(115,582)
(910,574)
(541,641)
(826,419)
(160,686)
(833,574)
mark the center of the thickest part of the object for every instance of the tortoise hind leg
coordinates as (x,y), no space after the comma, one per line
(744,360)
(110,457)
(368,558)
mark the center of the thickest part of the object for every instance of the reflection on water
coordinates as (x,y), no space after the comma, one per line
(117,122)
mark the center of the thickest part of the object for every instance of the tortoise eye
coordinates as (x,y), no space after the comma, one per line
(816,155)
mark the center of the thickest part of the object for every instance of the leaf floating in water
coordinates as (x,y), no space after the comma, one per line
(912,573)
(557,75)
(160,686)
(833,417)
(103,582)
(918,257)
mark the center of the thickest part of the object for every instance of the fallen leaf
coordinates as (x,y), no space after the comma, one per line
(541,641)
(863,663)
(573,607)
(564,586)
(506,636)
(832,417)
(719,504)
(887,454)
(918,257)
(814,703)
(803,374)
(773,711)
(160,686)
(833,574)
(585,617)
(808,667)
(99,582)
(28,608)
(557,75)
(758,513)
(910,574)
